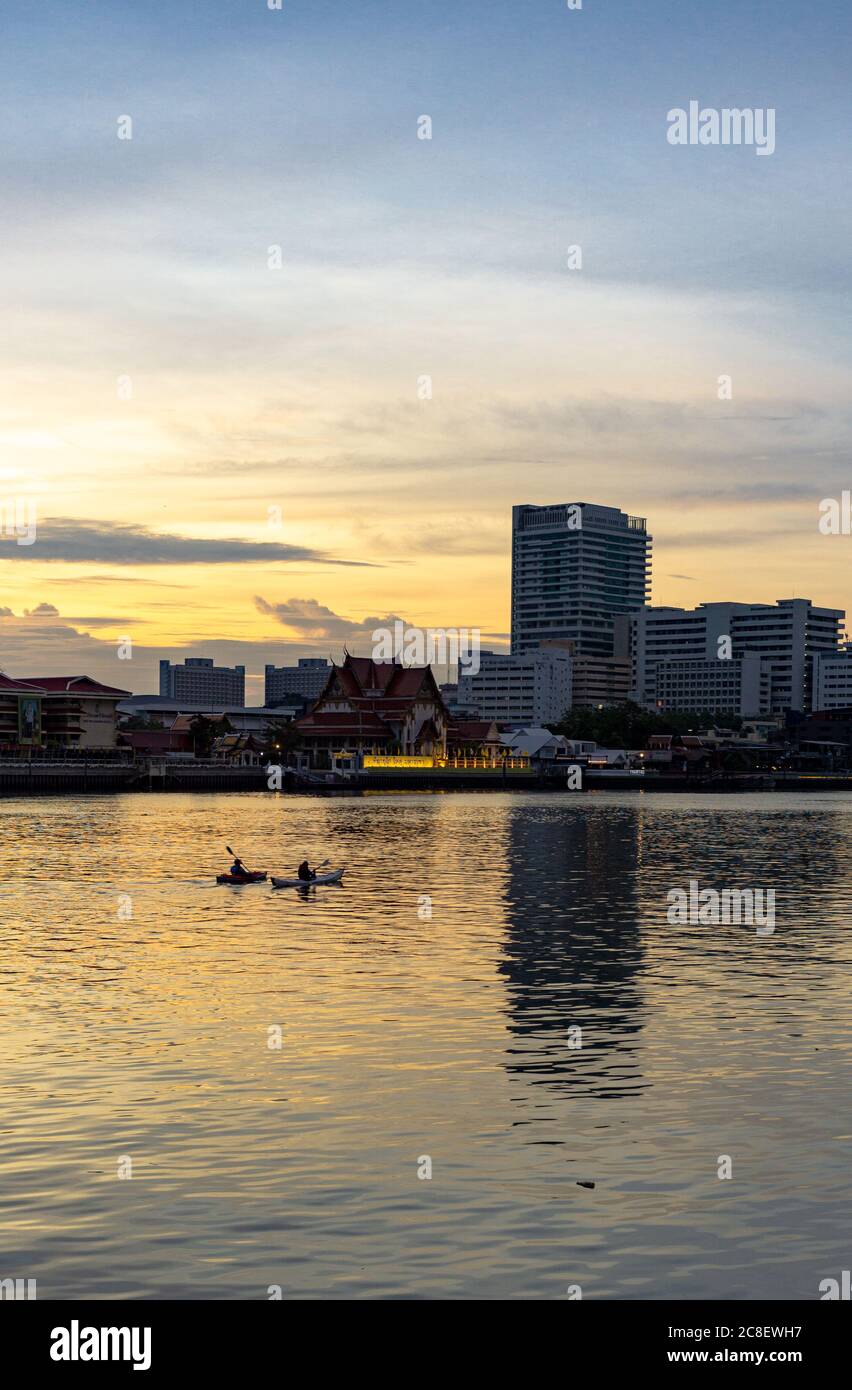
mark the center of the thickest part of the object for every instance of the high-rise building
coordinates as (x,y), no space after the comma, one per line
(786,635)
(308,679)
(575,566)
(832,679)
(534,688)
(199,681)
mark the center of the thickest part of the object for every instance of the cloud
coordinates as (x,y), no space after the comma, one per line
(48,610)
(87,542)
(106,621)
(443,539)
(725,537)
(312,621)
(53,647)
(114,580)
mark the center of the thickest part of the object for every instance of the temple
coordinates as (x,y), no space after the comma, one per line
(377,707)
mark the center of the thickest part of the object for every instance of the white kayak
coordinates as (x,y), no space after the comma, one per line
(334,877)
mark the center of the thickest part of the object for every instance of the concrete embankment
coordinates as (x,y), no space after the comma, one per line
(42,777)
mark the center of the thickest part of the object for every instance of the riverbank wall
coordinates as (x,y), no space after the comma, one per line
(24,778)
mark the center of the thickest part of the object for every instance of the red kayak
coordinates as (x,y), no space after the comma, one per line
(241,878)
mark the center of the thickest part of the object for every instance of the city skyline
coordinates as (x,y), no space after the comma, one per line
(170,388)
(106,663)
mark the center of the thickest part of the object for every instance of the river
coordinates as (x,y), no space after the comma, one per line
(211,1092)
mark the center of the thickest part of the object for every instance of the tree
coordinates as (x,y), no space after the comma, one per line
(282,740)
(140,721)
(628,725)
(205,731)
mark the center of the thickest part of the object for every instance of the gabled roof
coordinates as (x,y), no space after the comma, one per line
(183,724)
(158,740)
(473,731)
(8,683)
(532,740)
(362,679)
(75,685)
(240,741)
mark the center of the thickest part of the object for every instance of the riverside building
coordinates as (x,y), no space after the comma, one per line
(533,688)
(308,679)
(785,636)
(575,566)
(832,679)
(199,681)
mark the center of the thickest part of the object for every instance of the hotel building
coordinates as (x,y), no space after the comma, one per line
(308,679)
(200,682)
(575,566)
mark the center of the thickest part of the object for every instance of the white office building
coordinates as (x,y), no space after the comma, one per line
(786,635)
(308,679)
(531,689)
(832,680)
(741,686)
(199,681)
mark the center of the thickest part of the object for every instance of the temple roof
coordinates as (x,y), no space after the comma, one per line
(376,692)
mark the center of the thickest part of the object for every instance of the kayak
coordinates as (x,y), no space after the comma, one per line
(334,877)
(246,878)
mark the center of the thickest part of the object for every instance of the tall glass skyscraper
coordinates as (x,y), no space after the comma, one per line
(575,568)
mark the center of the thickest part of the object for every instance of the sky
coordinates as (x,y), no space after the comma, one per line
(233,451)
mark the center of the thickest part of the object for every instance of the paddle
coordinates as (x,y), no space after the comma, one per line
(316,870)
(236,856)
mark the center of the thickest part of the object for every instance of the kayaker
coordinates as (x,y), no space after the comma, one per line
(305,872)
(238,869)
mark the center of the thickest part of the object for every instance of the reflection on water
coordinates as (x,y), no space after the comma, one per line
(429,1006)
(573,953)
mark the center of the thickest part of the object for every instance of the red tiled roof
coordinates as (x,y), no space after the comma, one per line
(8,683)
(471,729)
(158,740)
(75,685)
(360,674)
(377,692)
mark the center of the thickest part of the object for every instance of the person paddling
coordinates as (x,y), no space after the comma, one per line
(305,872)
(238,868)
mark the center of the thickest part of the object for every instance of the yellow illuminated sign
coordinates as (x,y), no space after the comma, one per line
(397,760)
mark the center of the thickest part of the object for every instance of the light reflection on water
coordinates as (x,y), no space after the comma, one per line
(405,1036)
